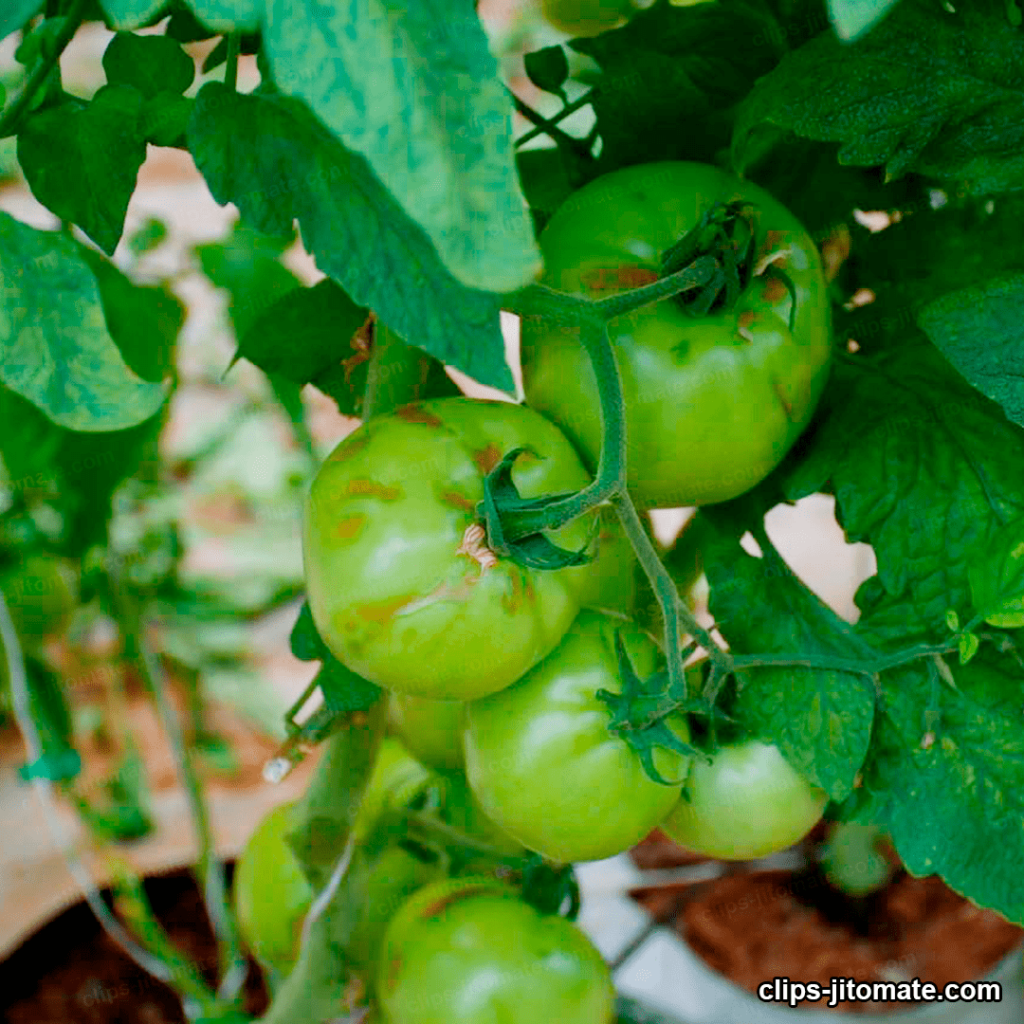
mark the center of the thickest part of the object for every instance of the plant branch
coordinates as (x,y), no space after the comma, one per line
(211,872)
(543,125)
(231,64)
(193,998)
(549,127)
(11,117)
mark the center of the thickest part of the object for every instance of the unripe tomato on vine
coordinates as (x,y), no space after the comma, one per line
(718,382)
(544,764)
(748,802)
(470,950)
(401,584)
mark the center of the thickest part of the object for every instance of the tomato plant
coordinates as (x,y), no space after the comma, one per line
(427,609)
(534,751)
(471,950)
(713,400)
(748,802)
(397,779)
(431,729)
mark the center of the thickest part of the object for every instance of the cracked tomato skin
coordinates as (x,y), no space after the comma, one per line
(400,584)
(470,950)
(748,802)
(544,765)
(713,403)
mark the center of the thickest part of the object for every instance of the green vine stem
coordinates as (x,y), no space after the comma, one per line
(549,127)
(231,64)
(13,114)
(196,999)
(542,125)
(211,873)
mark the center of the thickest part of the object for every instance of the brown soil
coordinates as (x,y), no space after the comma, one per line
(71,973)
(755,927)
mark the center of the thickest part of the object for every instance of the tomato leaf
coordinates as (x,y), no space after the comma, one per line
(930,91)
(677,66)
(126,14)
(152,64)
(978,331)
(308,336)
(16,13)
(819,718)
(228,15)
(997,578)
(269,155)
(428,113)
(547,68)
(57,350)
(936,469)
(82,160)
(969,775)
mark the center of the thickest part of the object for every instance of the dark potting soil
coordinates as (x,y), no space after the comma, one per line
(759,926)
(70,972)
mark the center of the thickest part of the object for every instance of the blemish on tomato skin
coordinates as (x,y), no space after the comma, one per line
(436,907)
(350,447)
(349,527)
(415,413)
(459,501)
(382,612)
(787,406)
(487,458)
(744,322)
(364,488)
(774,290)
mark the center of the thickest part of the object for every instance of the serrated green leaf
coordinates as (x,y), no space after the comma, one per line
(935,471)
(55,347)
(930,90)
(143,320)
(82,162)
(428,113)
(271,157)
(547,68)
(228,15)
(129,14)
(678,67)
(152,64)
(307,333)
(165,119)
(978,331)
(969,775)
(819,718)
(16,13)
(997,578)
(852,18)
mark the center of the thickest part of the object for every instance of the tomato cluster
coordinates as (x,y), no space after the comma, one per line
(500,673)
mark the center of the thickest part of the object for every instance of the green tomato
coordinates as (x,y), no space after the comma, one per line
(396,780)
(616,580)
(272,895)
(579,18)
(400,582)
(748,802)
(431,729)
(545,766)
(40,598)
(471,951)
(713,402)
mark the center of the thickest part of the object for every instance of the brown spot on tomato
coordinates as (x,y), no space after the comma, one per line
(744,322)
(487,458)
(774,289)
(512,600)
(459,501)
(372,489)
(435,908)
(780,394)
(351,446)
(415,413)
(382,612)
(349,527)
